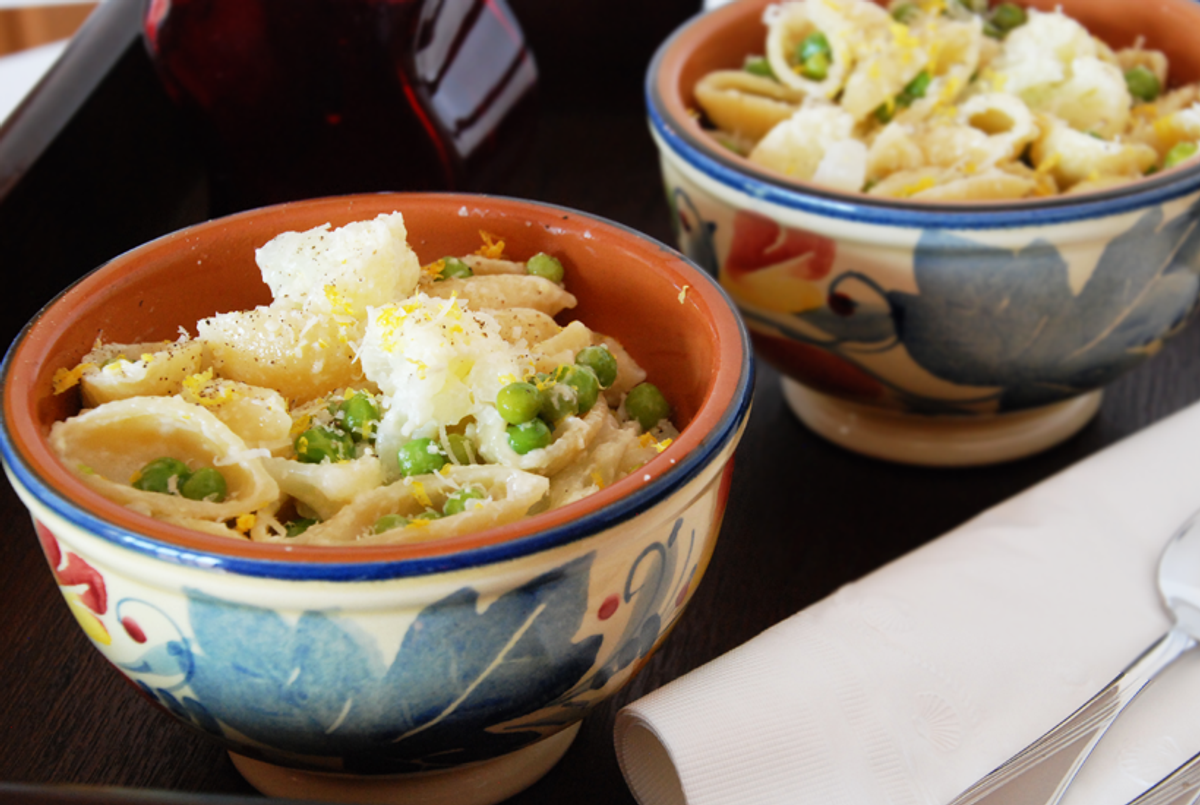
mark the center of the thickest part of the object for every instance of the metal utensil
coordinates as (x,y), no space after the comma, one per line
(1180,787)
(1040,773)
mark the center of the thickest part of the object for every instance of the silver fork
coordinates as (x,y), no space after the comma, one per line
(1041,773)
(1180,787)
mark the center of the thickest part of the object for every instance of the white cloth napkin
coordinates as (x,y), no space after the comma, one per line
(912,683)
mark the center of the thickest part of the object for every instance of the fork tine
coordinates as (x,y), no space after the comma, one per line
(1180,787)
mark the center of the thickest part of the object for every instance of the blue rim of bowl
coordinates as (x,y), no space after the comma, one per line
(741,176)
(641,499)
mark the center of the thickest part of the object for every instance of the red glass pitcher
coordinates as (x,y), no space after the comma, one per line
(303,98)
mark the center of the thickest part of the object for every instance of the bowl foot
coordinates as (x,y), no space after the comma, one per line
(484,783)
(939,441)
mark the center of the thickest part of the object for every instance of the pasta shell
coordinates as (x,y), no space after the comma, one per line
(572,436)
(258,415)
(118,371)
(506,290)
(325,488)
(481,264)
(629,373)
(523,325)
(563,347)
(1071,156)
(107,446)
(603,463)
(509,494)
(787,26)
(744,104)
(301,355)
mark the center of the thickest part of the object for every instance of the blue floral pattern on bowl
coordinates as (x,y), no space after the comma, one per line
(1006,325)
(469,682)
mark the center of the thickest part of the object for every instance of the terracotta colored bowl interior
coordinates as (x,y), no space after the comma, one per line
(721,40)
(678,326)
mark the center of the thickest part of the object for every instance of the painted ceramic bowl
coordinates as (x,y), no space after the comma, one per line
(933,333)
(450,671)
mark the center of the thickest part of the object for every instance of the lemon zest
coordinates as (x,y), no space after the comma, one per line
(1049,163)
(493,246)
(420,494)
(434,269)
(69,378)
(300,425)
(924,183)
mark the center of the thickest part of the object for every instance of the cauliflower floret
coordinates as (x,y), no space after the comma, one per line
(1056,66)
(1040,52)
(797,146)
(341,271)
(437,362)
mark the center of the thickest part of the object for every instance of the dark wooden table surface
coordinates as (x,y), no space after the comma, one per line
(804,516)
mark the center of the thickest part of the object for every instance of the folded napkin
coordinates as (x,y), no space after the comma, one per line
(912,683)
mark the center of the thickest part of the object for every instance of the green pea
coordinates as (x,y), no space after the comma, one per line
(543,265)
(518,402)
(814,56)
(814,44)
(297,527)
(757,65)
(559,400)
(205,483)
(601,361)
(428,515)
(1180,152)
(647,405)
(165,475)
(421,457)
(583,380)
(389,521)
(816,67)
(905,13)
(1008,16)
(1142,83)
(452,267)
(915,89)
(322,443)
(461,448)
(359,416)
(456,502)
(528,436)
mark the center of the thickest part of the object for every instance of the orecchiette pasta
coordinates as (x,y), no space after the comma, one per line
(373,401)
(936,100)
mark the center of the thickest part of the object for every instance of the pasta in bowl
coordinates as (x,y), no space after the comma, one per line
(336,503)
(948,224)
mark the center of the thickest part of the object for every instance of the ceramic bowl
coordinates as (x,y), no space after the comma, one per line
(941,334)
(453,671)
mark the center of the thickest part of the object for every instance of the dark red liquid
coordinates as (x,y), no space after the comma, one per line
(303,98)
